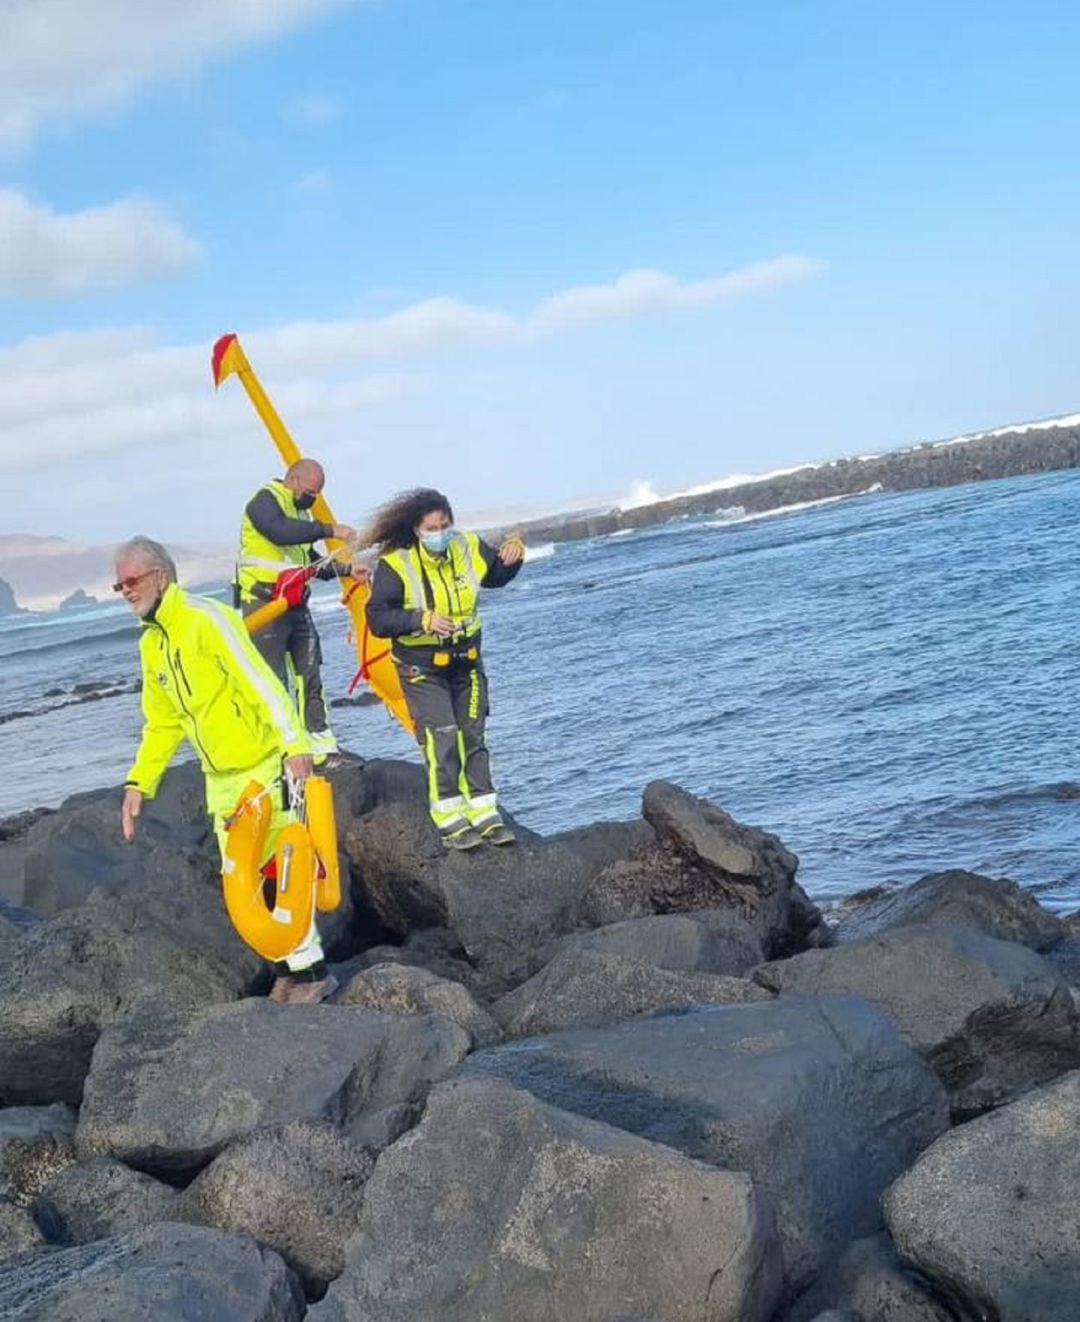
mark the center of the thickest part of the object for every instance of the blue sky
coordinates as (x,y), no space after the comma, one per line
(423,215)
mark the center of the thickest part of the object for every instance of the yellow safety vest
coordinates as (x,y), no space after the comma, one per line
(204,680)
(261,560)
(453,586)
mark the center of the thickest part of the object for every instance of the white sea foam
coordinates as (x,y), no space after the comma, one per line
(1044,424)
(644,493)
(796,508)
(542,552)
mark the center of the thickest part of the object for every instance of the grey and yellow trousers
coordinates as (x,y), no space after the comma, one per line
(449,707)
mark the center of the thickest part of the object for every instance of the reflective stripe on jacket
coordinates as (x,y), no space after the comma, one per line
(261,560)
(448,585)
(204,680)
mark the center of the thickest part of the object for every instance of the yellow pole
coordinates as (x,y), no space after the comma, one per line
(229,358)
(259,619)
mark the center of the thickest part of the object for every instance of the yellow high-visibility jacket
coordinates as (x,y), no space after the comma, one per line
(204,680)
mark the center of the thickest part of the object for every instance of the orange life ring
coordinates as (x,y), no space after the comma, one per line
(276,930)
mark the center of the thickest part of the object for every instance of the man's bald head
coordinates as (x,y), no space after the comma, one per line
(305,475)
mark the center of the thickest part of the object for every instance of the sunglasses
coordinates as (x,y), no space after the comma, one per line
(126,584)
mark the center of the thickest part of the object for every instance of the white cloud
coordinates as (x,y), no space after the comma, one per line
(44,254)
(64,57)
(639,293)
(77,395)
(312,109)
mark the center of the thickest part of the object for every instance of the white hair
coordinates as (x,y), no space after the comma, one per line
(152,553)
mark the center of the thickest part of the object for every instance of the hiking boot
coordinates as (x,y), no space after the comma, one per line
(291,990)
(464,837)
(303,992)
(498,833)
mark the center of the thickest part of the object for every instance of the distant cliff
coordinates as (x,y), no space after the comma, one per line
(935,464)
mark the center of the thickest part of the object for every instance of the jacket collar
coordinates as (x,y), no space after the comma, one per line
(168,607)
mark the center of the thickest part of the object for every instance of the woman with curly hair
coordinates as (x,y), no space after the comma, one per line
(424,596)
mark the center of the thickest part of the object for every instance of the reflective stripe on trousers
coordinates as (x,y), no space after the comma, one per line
(449,708)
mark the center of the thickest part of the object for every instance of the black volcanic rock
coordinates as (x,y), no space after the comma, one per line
(77,600)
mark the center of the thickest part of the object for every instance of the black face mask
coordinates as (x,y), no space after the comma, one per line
(305,501)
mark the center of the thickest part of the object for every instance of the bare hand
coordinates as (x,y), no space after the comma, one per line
(359,574)
(512,551)
(129,812)
(300,766)
(443,625)
(343,533)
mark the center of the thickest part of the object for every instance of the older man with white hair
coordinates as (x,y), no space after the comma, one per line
(204,681)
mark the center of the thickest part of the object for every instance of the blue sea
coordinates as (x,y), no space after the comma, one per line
(887,682)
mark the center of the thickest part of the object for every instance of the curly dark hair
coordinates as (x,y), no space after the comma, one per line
(392,526)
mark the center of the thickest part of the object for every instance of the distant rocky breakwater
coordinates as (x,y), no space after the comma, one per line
(628,1073)
(935,464)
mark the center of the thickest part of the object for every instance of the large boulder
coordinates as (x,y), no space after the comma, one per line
(361,786)
(956,898)
(704,859)
(820,1100)
(507,906)
(705,941)
(992,1017)
(168,1273)
(435,949)
(77,849)
(167,1092)
(35,1143)
(405,989)
(584,989)
(500,1207)
(70,976)
(989,1211)
(870,1283)
(99,1198)
(297,1188)
(502,905)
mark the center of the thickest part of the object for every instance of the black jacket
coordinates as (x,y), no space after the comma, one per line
(276,526)
(386,613)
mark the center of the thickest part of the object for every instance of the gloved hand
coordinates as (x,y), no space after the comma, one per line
(292,584)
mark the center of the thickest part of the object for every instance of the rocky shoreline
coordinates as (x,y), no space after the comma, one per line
(629,1073)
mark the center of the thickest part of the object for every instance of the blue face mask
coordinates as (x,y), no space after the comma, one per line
(435,543)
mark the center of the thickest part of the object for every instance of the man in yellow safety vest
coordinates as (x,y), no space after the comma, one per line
(277,534)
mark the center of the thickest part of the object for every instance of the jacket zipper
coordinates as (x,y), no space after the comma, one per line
(183,673)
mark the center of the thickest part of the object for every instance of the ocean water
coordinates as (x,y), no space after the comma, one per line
(887,682)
